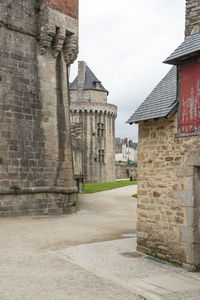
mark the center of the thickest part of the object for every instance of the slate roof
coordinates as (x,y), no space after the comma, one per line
(133,145)
(161,101)
(90,82)
(190,46)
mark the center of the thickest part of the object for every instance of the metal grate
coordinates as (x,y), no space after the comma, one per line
(131,254)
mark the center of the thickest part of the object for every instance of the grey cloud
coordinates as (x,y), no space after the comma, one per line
(124,43)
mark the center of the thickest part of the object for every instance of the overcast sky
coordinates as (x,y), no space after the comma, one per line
(124,43)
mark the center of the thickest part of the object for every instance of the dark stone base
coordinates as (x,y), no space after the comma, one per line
(37,204)
(170,256)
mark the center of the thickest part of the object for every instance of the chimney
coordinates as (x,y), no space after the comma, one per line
(192,17)
(81,74)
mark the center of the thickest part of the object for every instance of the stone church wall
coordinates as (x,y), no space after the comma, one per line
(168,192)
(36,166)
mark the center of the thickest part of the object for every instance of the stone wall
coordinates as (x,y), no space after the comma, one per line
(35,151)
(120,170)
(192,16)
(126,170)
(168,192)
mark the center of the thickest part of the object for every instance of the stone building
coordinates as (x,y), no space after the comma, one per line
(169,155)
(38,42)
(93,127)
(125,158)
(125,150)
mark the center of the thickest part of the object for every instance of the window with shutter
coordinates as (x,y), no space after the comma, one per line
(190,99)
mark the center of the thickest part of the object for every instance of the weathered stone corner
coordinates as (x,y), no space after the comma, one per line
(58,32)
(35,151)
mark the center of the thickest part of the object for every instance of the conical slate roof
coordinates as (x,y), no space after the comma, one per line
(90,82)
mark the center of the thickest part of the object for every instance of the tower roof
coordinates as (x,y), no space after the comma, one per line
(91,82)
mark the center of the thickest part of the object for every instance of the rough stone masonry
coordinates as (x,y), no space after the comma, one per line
(169,172)
(38,42)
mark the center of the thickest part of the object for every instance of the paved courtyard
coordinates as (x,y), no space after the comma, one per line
(83,256)
(31,266)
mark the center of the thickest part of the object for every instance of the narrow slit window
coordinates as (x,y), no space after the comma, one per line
(101,155)
(100,129)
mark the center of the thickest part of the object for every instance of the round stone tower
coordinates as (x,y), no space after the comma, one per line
(93,127)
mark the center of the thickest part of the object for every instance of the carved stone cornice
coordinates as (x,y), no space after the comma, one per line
(46,37)
(58,41)
(70,49)
(58,32)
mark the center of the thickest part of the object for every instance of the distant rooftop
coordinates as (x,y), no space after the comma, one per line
(89,80)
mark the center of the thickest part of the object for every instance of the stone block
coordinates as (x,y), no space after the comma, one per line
(189,234)
(193,254)
(190,183)
(185,198)
(192,216)
(193,158)
(184,171)
(142,235)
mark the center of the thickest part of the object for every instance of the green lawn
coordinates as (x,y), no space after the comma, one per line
(104,186)
(135,195)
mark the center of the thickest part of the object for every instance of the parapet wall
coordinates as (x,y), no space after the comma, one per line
(88,95)
(85,106)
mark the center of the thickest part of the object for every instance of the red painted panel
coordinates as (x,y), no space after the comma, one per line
(67,7)
(190,99)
